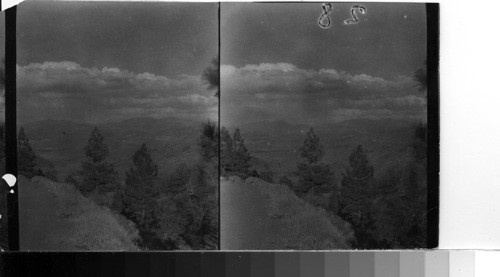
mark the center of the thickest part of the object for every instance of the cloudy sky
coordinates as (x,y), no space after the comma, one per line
(100,62)
(278,64)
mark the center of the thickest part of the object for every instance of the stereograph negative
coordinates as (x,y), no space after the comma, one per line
(230,126)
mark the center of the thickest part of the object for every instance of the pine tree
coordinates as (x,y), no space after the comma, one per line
(235,158)
(313,174)
(26,157)
(211,76)
(416,192)
(312,151)
(241,156)
(226,152)
(356,194)
(138,203)
(97,173)
(209,141)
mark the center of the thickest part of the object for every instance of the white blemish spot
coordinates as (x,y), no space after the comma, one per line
(10,179)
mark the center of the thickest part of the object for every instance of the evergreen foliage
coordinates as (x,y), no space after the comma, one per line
(187,213)
(312,151)
(401,207)
(26,157)
(286,181)
(209,141)
(241,156)
(211,76)
(226,148)
(267,176)
(356,196)
(96,171)
(137,201)
(313,174)
(235,158)
(420,77)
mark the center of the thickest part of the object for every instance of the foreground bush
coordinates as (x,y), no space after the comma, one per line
(304,226)
(96,227)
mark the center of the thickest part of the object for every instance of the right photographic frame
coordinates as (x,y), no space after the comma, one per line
(329,126)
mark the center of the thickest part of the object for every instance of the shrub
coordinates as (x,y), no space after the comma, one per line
(318,200)
(51,174)
(305,226)
(267,176)
(96,227)
(286,181)
(72,179)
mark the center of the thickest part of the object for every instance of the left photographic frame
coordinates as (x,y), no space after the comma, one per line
(117,126)
(4,242)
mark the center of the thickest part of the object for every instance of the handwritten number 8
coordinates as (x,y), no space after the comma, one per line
(327,8)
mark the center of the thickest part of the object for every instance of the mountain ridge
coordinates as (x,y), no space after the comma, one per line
(62,142)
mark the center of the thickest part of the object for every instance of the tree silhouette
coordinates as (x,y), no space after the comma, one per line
(96,172)
(226,151)
(416,192)
(138,203)
(311,150)
(313,174)
(209,141)
(241,156)
(421,77)
(26,157)
(235,158)
(211,76)
(356,193)
(402,205)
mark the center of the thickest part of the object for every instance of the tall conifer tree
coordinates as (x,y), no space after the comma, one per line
(138,203)
(26,157)
(356,194)
(96,171)
(314,174)
(241,156)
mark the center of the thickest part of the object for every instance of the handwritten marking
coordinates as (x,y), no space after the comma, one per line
(355,19)
(327,8)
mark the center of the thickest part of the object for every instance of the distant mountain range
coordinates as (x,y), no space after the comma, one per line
(274,145)
(277,143)
(62,142)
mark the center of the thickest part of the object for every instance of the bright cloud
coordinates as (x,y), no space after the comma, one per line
(67,90)
(284,91)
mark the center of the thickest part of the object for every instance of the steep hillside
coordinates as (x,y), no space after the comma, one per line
(55,216)
(263,216)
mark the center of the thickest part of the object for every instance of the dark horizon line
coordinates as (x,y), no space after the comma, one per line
(421,119)
(110,122)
